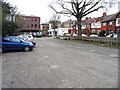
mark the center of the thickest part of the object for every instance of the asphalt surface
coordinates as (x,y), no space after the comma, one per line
(55,63)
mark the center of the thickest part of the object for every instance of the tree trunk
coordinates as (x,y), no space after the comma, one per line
(54,33)
(79,27)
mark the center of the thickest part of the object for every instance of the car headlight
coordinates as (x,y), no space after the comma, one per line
(30,43)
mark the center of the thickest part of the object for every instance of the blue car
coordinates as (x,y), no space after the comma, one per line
(12,43)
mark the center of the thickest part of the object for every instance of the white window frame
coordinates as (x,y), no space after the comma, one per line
(83,26)
(98,25)
(118,22)
(93,25)
(104,24)
(110,23)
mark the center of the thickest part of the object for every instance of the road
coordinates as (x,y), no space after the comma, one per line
(55,63)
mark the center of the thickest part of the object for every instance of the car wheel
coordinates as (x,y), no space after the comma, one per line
(26,48)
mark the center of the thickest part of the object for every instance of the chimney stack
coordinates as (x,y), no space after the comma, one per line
(86,18)
(104,14)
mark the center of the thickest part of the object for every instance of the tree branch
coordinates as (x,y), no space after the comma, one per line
(92,6)
(92,11)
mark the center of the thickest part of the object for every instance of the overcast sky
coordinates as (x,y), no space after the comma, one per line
(40,8)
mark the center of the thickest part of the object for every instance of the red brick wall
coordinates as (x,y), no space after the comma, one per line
(44,26)
(118,27)
(28,22)
(104,27)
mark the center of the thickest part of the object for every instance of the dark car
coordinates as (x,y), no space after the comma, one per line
(11,43)
(38,34)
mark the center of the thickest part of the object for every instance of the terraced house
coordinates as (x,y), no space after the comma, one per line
(111,23)
(106,22)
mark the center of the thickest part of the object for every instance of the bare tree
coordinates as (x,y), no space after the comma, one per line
(77,8)
(55,21)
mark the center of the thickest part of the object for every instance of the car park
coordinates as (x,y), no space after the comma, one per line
(12,43)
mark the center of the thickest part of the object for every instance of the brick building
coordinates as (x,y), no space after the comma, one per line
(105,22)
(111,22)
(28,23)
(45,26)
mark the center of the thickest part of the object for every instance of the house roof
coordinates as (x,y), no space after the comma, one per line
(111,17)
(86,22)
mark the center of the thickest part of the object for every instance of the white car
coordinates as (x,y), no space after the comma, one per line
(112,35)
(27,37)
(30,37)
(93,35)
(84,35)
(74,35)
(115,36)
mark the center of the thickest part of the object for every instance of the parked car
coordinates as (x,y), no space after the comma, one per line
(34,34)
(93,35)
(27,37)
(38,34)
(112,35)
(11,43)
(84,35)
(74,35)
(115,36)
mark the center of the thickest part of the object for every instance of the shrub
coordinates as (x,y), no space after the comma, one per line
(102,33)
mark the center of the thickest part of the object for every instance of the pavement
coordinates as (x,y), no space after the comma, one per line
(55,63)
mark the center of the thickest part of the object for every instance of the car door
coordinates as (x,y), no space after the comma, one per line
(17,45)
(6,44)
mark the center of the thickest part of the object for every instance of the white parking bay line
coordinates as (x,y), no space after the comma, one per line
(69,45)
(45,56)
(78,47)
(113,55)
(54,66)
(92,50)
